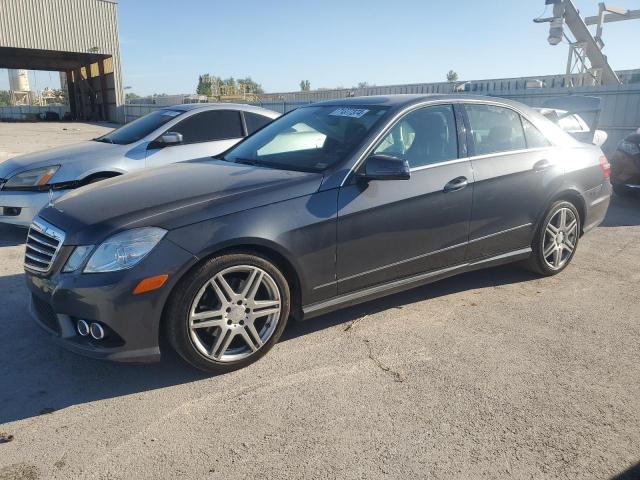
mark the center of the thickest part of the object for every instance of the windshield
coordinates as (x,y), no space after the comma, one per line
(309,139)
(139,128)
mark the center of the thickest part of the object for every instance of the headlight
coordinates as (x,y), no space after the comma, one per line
(37,177)
(124,250)
(629,148)
(77,258)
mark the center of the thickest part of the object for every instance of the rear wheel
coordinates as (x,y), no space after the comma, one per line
(556,240)
(228,312)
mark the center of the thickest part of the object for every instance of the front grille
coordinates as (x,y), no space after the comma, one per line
(43,244)
(45,314)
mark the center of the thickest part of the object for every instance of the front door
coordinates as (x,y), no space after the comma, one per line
(395,228)
(204,134)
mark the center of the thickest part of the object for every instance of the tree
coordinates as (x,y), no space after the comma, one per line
(5,98)
(250,86)
(363,85)
(305,85)
(452,76)
(131,96)
(205,84)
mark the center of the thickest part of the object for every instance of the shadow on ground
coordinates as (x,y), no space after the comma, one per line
(632,473)
(42,377)
(10,235)
(623,212)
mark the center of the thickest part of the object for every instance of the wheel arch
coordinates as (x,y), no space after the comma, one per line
(571,195)
(255,247)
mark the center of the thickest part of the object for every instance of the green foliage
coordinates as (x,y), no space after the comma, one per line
(305,85)
(131,96)
(452,76)
(210,85)
(205,84)
(4,98)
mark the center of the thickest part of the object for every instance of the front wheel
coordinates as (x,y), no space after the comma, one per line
(556,240)
(228,312)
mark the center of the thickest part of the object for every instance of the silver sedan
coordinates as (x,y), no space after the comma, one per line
(168,135)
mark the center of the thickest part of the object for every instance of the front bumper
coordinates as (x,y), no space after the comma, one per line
(625,170)
(28,203)
(131,322)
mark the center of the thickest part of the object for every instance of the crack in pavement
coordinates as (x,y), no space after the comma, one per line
(397,376)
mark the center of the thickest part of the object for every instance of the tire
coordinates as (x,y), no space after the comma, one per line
(245,315)
(553,239)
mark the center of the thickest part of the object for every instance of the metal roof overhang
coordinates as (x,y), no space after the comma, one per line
(51,60)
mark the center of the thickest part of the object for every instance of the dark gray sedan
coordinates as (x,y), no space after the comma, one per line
(330,205)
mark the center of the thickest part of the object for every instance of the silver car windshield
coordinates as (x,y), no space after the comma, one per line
(310,139)
(139,128)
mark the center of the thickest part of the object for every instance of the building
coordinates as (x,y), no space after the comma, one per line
(76,37)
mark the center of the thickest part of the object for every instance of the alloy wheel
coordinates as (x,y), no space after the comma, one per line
(235,313)
(560,238)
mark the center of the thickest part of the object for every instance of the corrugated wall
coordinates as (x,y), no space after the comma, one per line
(62,25)
(68,26)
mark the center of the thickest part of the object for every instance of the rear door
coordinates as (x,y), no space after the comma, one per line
(515,171)
(204,134)
(389,229)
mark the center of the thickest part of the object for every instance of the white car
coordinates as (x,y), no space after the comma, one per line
(168,135)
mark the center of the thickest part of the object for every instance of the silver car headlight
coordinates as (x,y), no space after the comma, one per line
(37,177)
(124,250)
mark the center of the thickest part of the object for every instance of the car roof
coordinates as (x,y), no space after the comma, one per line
(187,107)
(403,100)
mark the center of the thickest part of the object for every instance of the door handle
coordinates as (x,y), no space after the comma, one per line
(542,165)
(456,184)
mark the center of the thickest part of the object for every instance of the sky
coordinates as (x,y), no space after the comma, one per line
(165,45)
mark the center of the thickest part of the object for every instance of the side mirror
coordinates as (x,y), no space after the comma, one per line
(170,138)
(385,167)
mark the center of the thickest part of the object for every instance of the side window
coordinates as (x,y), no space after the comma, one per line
(535,139)
(495,129)
(422,137)
(209,126)
(255,121)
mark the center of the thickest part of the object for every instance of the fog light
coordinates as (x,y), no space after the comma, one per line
(83,328)
(97,331)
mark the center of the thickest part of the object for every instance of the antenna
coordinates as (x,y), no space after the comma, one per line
(585,51)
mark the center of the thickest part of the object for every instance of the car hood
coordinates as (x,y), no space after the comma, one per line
(85,152)
(171,197)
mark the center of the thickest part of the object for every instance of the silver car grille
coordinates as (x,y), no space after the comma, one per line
(43,244)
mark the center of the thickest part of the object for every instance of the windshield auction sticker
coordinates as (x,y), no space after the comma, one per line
(349,112)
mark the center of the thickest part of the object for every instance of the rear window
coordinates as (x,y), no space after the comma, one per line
(495,129)
(255,121)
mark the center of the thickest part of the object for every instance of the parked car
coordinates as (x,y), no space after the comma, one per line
(168,135)
(575,125)
(215,255)
(625,165)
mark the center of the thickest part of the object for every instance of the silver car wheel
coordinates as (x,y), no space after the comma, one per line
(235,313)
(560,238)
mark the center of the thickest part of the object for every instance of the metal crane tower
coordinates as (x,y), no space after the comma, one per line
(585,50)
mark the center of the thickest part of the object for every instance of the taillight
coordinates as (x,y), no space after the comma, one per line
(605,166)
